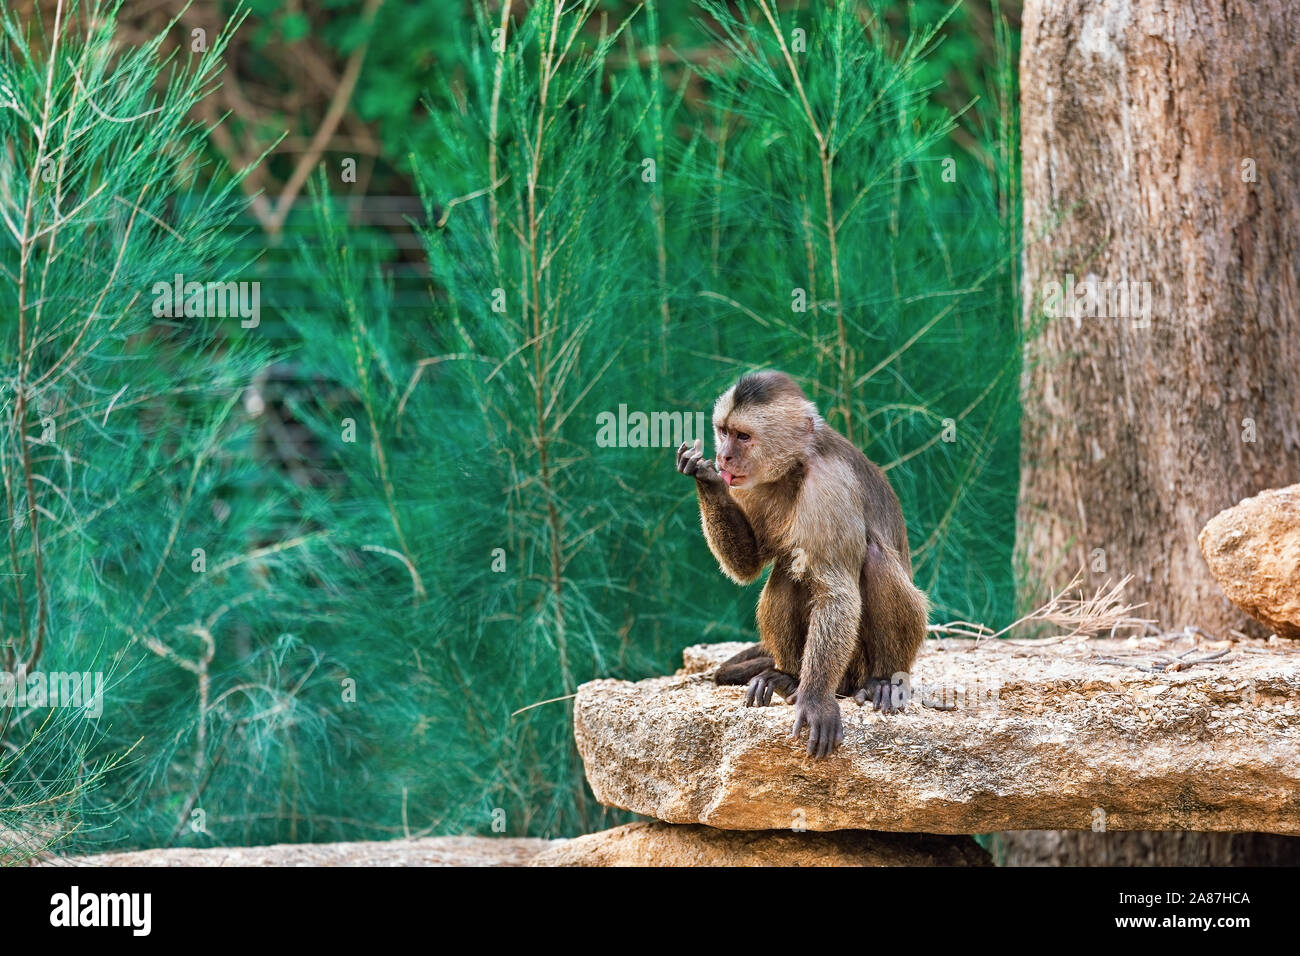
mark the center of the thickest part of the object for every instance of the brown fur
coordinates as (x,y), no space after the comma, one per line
(839,607)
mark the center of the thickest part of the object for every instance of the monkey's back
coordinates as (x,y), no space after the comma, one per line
(878,496)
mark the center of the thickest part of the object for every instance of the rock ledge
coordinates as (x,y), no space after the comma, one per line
(1050,735)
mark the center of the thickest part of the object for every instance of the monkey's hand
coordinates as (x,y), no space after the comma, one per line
(820,713)
(691,461)
(759,692)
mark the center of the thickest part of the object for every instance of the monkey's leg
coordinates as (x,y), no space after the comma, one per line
(743,667)
(894,616)
(781,626)
(783,618)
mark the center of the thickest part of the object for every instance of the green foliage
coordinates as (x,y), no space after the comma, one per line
(582,283)
(123,448)
(411,501)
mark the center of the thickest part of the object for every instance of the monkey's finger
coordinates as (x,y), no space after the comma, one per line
(837,732)
(798,725)
(750,691)
(860,697)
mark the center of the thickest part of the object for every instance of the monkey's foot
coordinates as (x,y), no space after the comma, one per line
(886,697)
(759,692)
(745,666)
(821,715)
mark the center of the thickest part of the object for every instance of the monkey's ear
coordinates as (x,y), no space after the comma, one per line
(814,418)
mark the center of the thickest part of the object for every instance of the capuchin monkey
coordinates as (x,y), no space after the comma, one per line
(839,613)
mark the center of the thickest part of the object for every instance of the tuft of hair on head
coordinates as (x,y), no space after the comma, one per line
(776,391)
(762,388)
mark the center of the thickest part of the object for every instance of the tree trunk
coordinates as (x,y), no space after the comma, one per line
(1143,848)
(1165,135)
(1161,145)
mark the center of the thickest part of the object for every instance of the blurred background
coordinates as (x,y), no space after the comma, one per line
(341,561)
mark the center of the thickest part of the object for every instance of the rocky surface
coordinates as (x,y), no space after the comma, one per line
(1153,733)
(666,844)
(427,851)
(1253,550)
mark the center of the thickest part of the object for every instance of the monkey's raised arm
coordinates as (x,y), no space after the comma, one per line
(730,536)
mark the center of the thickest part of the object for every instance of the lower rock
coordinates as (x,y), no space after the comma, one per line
(666,844)
(425,851)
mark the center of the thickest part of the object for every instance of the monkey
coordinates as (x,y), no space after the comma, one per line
(839,613)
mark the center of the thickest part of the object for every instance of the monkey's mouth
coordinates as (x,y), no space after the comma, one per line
(730,479)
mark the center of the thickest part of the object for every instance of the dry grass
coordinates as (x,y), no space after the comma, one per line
(1105,612)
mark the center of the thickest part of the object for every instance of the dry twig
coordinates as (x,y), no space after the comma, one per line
(1103,612)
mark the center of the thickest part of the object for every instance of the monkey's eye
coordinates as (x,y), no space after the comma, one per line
(742,436)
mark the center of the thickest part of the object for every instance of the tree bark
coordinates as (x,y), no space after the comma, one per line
(1143,848)
(1161,145)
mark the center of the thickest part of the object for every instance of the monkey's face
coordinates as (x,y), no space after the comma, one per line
(762,427)
(739,456)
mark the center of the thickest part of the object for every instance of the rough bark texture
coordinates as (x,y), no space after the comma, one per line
(1143,125)
(1081,848)
(1253,550)
(1045,735)
(1137,117)
(668,844)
